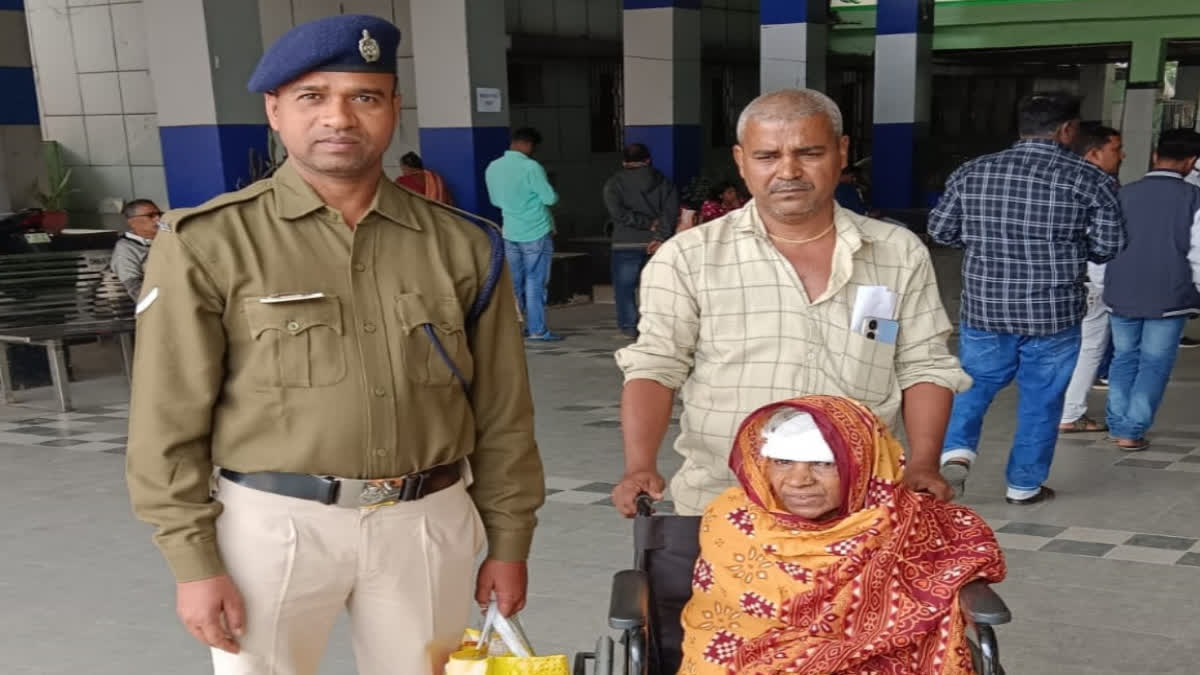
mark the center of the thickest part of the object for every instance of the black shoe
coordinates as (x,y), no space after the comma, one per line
(1186,342)
(1044,494)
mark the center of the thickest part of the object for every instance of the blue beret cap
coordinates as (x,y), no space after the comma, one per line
(345,43)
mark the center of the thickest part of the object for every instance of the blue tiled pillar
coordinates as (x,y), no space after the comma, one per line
(208,121)
(794,44)
(19,119)
(903,83)
(459,48)
(662,83)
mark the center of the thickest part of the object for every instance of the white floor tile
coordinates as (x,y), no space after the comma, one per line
(573,497)
(1157,556)
(560,483)
(1021,542)
(1096,535)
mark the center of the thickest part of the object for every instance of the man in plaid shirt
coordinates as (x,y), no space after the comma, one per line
(1030,218)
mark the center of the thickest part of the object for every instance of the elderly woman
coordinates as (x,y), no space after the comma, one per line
(821,562)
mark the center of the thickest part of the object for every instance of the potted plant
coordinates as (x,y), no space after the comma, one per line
(261,167)
(54,199)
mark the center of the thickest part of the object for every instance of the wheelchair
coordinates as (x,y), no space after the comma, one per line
(647,601)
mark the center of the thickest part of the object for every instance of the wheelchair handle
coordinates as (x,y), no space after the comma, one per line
(645,505)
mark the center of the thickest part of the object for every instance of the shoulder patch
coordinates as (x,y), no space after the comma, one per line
(175,218)
(458,213)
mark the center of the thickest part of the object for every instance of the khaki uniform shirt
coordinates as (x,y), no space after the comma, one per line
(347,384)
(726,320)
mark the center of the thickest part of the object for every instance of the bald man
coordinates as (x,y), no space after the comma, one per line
(789,295)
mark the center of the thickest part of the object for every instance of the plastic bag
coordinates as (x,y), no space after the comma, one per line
(501,648)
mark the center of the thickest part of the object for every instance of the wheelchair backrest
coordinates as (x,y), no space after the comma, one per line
(666,547)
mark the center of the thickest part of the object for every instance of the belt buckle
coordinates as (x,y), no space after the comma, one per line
(385,492)
(378,493)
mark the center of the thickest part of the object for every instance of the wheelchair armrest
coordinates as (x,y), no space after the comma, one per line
(630,603)
(982,606)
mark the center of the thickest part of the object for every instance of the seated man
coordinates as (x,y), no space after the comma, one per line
(820,541)
(130,253)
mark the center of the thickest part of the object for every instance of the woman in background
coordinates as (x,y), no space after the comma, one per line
(725,199)
(415,177)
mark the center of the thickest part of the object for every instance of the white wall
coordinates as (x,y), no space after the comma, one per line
(95,96)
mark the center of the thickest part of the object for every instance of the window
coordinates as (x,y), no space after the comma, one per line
(606,111)
(525,83)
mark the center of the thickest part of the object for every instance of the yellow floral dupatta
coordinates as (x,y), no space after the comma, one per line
(871,591)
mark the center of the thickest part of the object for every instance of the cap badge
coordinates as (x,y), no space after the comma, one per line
(368,47)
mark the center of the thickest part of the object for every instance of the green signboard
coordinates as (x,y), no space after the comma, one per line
(870,4)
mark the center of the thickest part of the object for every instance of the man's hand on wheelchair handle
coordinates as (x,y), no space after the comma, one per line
(633,483)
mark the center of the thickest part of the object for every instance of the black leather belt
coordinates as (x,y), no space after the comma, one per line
(350,493)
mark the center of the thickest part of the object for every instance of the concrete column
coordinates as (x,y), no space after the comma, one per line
(1095,88)
(461,75)
(1187,86)
(794,44)
(203,52)
(903,84)
(20,134)
(662,83)
(1142,112)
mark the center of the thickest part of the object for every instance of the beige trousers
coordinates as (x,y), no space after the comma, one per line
(403,572)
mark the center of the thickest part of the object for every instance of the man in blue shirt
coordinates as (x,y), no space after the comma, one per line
(518,186)
(1030,218)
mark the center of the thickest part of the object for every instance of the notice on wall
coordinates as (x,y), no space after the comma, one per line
(488,100)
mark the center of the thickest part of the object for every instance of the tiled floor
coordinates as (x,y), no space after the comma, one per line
(1098,543)
(1101,580)
(97,429)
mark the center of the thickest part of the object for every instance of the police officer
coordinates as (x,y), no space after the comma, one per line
(332,409)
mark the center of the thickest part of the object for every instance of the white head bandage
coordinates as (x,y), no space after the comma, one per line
(795,437)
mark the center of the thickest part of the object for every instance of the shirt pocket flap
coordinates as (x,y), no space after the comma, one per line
(293,317)
(415,310)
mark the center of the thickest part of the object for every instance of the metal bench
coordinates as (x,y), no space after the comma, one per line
(47,299)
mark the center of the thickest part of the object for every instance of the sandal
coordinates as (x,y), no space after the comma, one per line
(1083,425)
(1135,445)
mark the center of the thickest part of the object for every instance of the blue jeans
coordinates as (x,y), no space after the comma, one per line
(1042,366)
(529,262)
(627,264)
(1144,353)
(1106,362)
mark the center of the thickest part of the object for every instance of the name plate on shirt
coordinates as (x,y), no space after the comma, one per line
(291,297)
